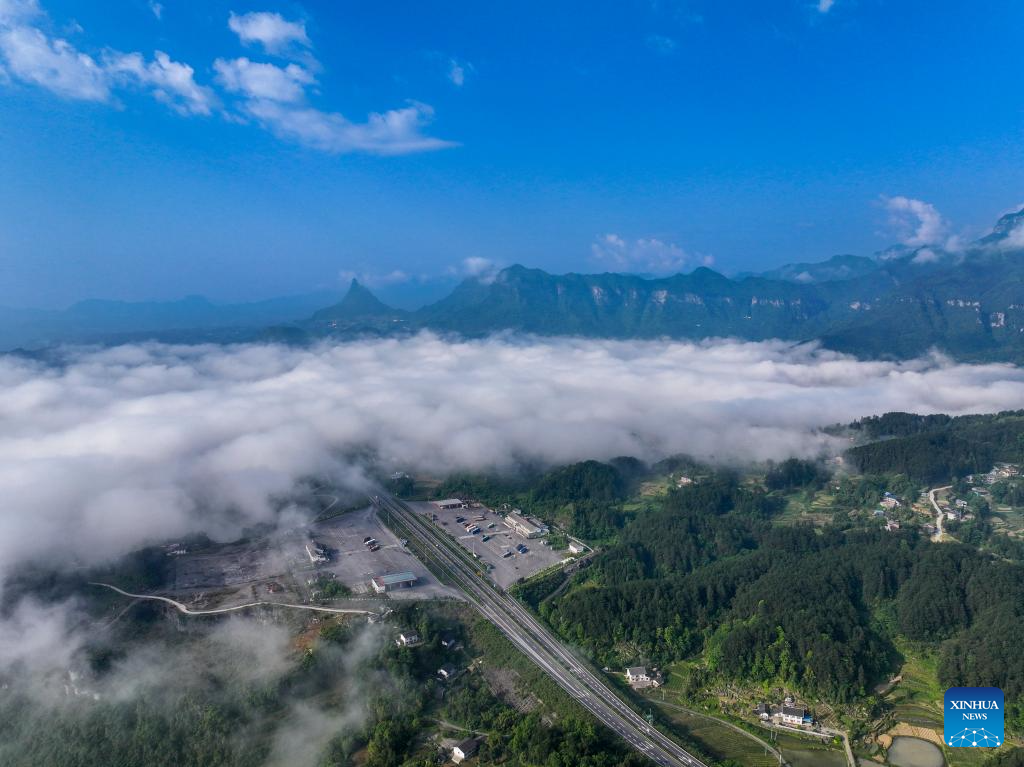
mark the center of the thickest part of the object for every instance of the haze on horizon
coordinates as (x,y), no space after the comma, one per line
(154,150)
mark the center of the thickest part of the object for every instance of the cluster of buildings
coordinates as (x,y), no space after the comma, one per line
(788,714)
(959,510)
(888,503)
(999,472)
(525,526)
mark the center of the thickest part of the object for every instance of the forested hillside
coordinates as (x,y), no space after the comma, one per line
(937,448)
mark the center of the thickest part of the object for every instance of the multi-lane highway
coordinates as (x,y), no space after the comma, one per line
(537,643)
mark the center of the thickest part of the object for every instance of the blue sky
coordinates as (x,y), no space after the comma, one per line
(241,151)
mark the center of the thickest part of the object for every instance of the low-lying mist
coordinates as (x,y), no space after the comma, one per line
(109,449)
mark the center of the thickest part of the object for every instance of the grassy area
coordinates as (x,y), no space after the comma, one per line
(1008,519)
(804,752)
(718,740)
(917,699)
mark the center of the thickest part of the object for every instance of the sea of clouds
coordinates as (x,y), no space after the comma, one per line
(108,449)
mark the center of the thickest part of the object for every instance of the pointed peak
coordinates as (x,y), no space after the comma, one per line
(359,301)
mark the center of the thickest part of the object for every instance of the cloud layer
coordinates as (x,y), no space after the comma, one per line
(277,97)
(114,448)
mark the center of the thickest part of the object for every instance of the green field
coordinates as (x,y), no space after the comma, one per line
(917,699)
(815,507)
(718,740)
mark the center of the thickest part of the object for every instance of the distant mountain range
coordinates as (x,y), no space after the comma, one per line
(968,303)
(190,319)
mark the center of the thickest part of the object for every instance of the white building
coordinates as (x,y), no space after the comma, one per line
(451,503)
(383,583)
(638,676)
(890,502)
(575,547)
(315,551)
(465,749)
(408,639)
(446,672)
(528,528)
(794,715)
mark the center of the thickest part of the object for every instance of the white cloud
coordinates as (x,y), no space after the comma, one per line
(157,9)
(272,31)
(118,447)
(171,81)
(54,64)
(18,11)
(275,97)
(457,71)
(1015,239)
(478,266)
(374,279)
(916,222)
(645,255)
(398,131)
(824,6)
(263,81)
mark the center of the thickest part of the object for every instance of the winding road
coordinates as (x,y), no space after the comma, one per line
(221,610)
(939,515)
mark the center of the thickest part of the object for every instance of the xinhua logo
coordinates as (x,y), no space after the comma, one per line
(973,717)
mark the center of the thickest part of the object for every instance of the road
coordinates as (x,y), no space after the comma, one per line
(938,512)
(537,643)
(221,610)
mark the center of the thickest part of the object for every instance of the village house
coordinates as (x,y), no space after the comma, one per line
(408,639)
(796,716)
(465,749)
(890,501)
(446,672)
(638,677)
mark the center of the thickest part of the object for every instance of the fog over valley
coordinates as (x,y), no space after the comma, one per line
(106,450)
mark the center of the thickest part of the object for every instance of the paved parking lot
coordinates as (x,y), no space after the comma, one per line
(354,564)
(506,570)
(277,567)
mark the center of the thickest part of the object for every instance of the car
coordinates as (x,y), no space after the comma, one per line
(486,538)
(491,526)
(507,554)
(460,519)
(375,547)
(367,539)
(521,549)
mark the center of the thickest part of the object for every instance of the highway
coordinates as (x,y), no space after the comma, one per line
(539,644)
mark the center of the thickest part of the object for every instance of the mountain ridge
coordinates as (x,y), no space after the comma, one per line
(967,303)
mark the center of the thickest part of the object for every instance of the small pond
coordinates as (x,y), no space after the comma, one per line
(915,752)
